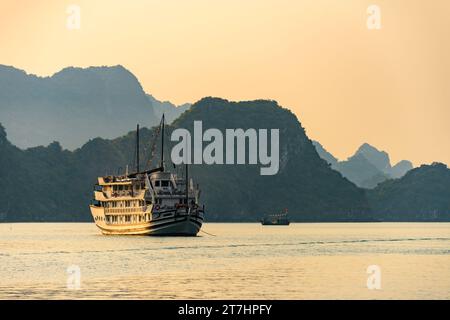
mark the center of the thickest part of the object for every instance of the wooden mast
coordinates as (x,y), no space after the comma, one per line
(187,186)
(162,144)
(137,148)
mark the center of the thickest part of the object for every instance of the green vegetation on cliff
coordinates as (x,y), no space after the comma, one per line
(305,184)
(423,194)
(52,184)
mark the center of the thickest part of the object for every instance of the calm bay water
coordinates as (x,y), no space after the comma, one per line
(242,261)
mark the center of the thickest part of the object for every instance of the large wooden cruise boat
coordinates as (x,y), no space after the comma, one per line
(151,202)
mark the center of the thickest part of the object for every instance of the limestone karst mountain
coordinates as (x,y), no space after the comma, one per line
(422,194)
(58,183)
(75,105)
(367,167)
(171,111)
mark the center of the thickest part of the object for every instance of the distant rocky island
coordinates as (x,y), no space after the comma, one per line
(52,183)
(75,105)
(367,167)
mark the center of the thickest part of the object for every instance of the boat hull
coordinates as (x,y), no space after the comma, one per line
(167,223)
(275,224)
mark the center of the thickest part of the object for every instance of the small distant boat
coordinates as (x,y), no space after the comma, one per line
(280,219)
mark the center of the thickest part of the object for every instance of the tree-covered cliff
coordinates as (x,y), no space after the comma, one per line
(423,194)
(52,184)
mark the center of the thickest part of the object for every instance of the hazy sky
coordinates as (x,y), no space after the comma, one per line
(347,84)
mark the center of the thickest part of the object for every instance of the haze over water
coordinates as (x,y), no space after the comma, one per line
(243,261)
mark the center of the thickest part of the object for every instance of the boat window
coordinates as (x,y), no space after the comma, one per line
(164,183)
(157,183)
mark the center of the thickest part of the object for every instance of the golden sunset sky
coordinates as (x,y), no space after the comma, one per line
(347,84)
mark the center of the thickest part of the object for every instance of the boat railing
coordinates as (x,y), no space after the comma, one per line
(140,209)
(127,193)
